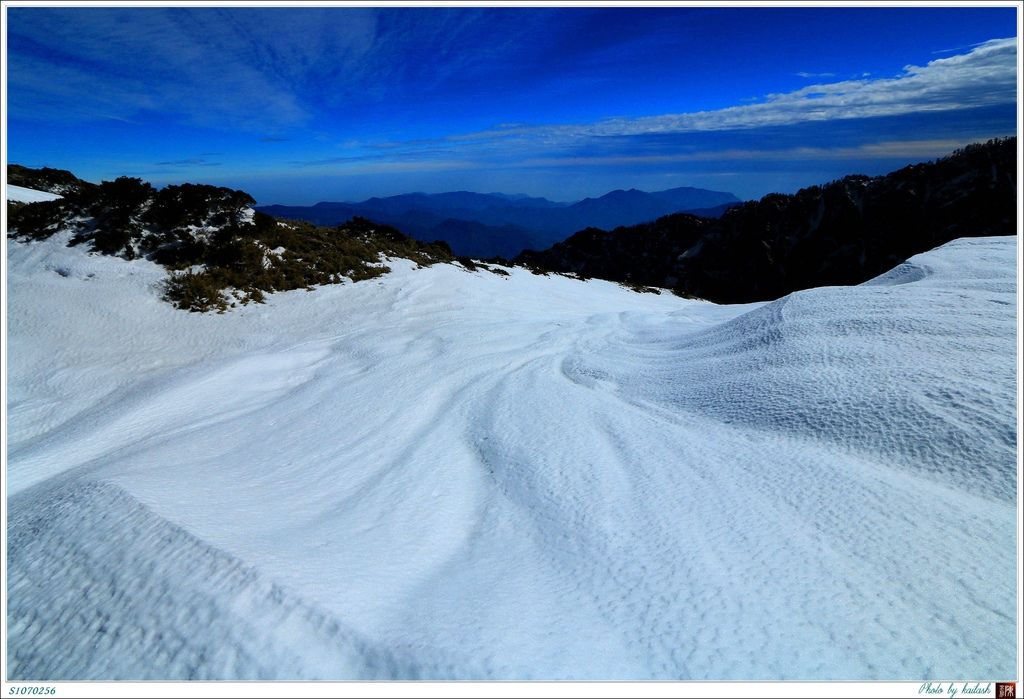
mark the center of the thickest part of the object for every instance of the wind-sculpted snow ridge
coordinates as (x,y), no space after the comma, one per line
(451,475)
(910,369)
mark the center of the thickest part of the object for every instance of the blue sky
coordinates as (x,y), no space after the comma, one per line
(308,104)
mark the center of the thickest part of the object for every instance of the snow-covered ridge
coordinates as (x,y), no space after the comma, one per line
(27,196)
(213,243)
(443,474)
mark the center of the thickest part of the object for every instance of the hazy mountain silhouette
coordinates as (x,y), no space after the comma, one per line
(484,225)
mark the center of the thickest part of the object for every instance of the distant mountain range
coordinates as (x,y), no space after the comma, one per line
(844,232)
(488,225)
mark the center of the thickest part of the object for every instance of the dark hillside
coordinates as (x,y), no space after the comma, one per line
(46,179)
(844,232)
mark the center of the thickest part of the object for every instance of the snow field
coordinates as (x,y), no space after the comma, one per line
(26,196)
(453,475)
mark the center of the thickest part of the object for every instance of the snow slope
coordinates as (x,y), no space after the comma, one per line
(27,196)
(444,474)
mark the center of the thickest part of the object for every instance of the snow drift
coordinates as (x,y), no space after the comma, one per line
(445,474)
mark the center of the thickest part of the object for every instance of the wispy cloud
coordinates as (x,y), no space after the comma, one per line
(200,162)
(919,149)
(956,49)
(359,166)
(263,70)
(207,66)
(413,154)
(987,75)
(804,74)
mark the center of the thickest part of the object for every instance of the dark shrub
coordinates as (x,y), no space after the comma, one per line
(37,220)
(195,292)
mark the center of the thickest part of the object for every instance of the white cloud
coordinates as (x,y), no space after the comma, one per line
(915,150)
(987,75)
